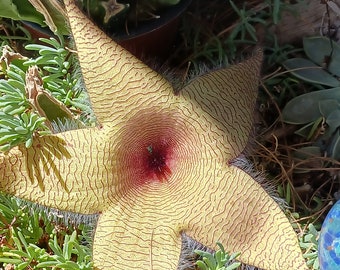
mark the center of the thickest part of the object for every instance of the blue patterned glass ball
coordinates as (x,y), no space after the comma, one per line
(329,241)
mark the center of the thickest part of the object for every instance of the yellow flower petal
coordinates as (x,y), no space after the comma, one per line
(114,78)
(59,171)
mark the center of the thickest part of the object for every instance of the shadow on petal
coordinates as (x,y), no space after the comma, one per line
(40,158)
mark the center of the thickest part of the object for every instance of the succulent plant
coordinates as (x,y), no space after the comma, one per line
(35,101)
(32,10)
(317,112)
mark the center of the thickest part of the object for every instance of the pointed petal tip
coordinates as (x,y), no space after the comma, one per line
(243,217)
(223,100)
(112,75)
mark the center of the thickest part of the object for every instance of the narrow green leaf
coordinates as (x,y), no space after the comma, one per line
(221,247)
(15,74)
(209,261)
(51,41)
(68,265)
(46,264)
(53,69)
(36,47)
(21,130)
(234,255)
(29,142)
(288,194)
(5,147)
(7,138)
(53,244)
(233,266)
(22,239)
(276,11)
(201,265)
(9,260)
(23,265)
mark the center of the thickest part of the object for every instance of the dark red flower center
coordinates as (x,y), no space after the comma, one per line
(149,150)
(156,162)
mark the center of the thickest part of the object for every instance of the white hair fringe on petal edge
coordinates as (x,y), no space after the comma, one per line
(243,163)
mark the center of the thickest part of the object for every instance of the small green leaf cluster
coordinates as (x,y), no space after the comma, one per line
(318,112)
(59,73)
(309,245)
(18,122)
(30,241)
(18,129)
(219,42)
(245,26)
(13,100)
(220,260)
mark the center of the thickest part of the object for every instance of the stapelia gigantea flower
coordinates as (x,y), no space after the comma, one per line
(158,165)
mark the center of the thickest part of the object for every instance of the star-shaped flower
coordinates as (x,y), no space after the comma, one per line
(158,165)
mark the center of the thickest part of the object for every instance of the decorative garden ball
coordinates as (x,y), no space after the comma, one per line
(329,242)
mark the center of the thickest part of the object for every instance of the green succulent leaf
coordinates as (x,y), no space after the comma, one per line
(308,71)
(334,148)
(319,49)
(327,106)
(16,129)
(220,260)
(201,265)
(305,108)
(333,120)
(309,244)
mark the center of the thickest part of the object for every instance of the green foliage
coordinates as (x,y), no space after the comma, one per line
(322,65)
(56,62)
(29,240)
(220,260)
(18,122)
(309,71)
(14,33)
(29,13)
(13,99)
(20,10)
(319,111)
(309,245)
(220,42)
(245,26)
(21,118)
(17,129)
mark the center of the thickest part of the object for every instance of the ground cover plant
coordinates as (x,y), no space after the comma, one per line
(307,180)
